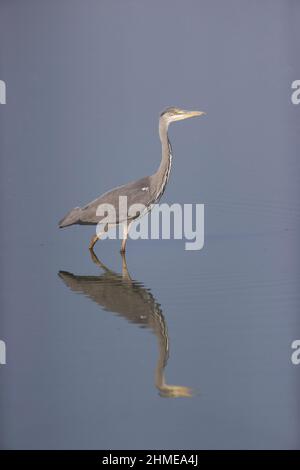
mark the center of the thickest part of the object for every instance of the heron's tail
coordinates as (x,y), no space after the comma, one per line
(71,218)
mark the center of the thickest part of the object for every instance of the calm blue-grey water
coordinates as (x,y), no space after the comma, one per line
(94,357)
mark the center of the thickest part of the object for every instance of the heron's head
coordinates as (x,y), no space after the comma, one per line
(176,114)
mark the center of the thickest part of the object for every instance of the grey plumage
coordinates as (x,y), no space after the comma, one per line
(71,218)
(87,214)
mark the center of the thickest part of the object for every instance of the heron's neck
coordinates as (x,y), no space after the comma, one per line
(166,157)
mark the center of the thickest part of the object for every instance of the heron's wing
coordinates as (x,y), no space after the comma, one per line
(130,300)
(137,192)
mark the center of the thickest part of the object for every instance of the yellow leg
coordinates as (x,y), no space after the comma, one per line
(125,272)
(125,236)
(94,239)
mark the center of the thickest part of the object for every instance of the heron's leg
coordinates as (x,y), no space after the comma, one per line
(95,258)
(99,263)
(93,241)
(125,272)
(126,228)
(97,237)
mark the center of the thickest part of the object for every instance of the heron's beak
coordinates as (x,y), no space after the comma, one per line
(189,114)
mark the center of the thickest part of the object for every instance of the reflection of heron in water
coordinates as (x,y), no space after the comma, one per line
(118,293)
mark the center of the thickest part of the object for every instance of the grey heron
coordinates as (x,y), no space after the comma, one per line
(145,191)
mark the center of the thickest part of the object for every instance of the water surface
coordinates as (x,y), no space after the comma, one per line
(181,349)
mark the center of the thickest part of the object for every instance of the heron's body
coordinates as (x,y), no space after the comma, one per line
(146,191)
(87,215)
